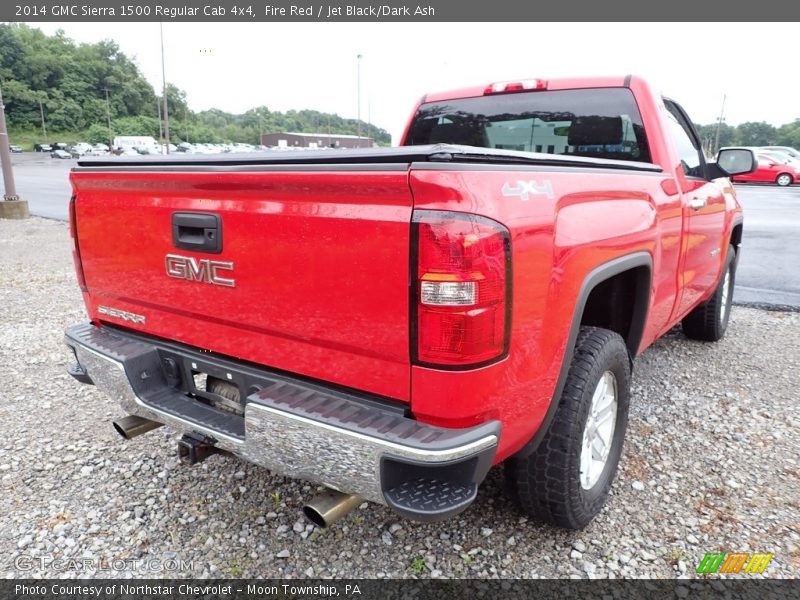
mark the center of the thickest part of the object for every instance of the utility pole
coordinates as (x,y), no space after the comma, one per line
(160,122)
(358,92)
(44,129)
(108,118)
(164,82)
(11,207)
(719,124)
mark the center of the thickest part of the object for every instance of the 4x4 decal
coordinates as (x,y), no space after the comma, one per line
(524,189)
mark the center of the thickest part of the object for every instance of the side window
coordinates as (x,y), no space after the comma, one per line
(688,151)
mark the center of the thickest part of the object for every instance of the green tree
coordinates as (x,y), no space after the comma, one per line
(789,134)
(176,102)
(72,81)
(754,133)
(708,136)
(82,86)
(136,126)
(99,134)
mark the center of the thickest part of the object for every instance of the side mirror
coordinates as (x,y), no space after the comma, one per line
(733,161)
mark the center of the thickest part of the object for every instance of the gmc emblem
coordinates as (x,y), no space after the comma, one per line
(204,270)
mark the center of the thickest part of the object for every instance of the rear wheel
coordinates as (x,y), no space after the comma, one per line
(783,179)
(709,321)
(566,480)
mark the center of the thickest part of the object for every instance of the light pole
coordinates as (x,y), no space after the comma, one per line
(358,101)
(11,207)
(160,122)
(164,83)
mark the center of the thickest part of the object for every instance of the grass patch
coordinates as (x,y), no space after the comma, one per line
(418,565)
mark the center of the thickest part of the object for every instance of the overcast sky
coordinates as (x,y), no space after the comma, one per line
(236,66)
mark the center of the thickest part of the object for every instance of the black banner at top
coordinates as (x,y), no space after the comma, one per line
(400,11)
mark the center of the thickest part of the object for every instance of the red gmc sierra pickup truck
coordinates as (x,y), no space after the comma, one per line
(391,323)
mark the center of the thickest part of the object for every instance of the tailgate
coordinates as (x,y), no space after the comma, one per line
(311,278)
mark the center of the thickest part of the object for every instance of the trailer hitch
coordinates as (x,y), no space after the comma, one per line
(195,447)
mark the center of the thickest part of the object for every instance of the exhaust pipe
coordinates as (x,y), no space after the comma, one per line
(131,426)
(328,507)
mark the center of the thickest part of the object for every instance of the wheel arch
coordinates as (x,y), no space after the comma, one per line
(736,240)
(617,275)
(736,233)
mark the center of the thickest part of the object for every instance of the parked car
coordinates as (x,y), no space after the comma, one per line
(146,150)
(80,149)
(60,146)
(795,154)
(14,148)
(489,312)
(778,156)
(770,169)
(42,148)
(97,152)
(60,154)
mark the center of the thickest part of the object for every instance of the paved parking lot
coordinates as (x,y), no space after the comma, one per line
(42,181)
(769,270)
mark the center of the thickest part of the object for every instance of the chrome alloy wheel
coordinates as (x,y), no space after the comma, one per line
(726,290)
(598,432)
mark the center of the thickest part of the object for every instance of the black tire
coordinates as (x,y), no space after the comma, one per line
(709,321)
(547,483)
(784,179)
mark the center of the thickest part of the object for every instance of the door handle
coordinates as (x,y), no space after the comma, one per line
(200,232)
(697,203)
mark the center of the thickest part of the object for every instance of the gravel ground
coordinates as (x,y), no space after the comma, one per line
(712,463)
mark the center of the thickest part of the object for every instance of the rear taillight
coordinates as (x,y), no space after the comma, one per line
(76,253)
(461,294)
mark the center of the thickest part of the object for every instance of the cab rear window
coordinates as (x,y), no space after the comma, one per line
(599,122)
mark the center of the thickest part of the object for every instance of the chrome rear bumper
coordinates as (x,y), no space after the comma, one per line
(293,427)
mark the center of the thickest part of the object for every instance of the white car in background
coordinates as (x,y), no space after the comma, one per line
(80,149)
(788,150)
